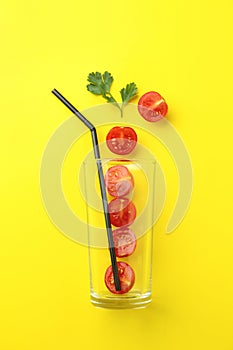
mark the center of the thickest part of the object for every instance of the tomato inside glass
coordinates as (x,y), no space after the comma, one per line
(126,276)
(119,181)
(152,106)
(124,241)
(121,139)
(122,212)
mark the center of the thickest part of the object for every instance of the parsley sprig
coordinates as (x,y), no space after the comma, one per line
(100,84)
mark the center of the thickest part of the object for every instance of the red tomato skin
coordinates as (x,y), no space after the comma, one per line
(119,181)
(122,212)
(124,241)
(126,276)
(121,140)
(152,106)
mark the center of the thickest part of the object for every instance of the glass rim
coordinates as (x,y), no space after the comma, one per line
(121,160)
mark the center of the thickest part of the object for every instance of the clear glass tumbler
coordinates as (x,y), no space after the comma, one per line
(130,191)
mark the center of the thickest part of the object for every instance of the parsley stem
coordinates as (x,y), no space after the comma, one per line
(122,111)
(116,104)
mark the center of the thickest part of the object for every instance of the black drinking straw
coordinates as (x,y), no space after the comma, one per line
(101,181)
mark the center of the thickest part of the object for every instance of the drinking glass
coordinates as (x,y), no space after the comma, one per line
(130,187)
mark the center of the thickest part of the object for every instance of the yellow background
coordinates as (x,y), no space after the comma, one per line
(184,51)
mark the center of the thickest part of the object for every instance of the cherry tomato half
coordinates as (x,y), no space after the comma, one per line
(119,181)
(121,139)
(152,106)
(124,241)
(126,276)
(122,212)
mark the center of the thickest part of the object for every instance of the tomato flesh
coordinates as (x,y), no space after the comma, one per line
(121,139)
(124,241)
(122,212)
(119,181)
(126,276)
(152,106)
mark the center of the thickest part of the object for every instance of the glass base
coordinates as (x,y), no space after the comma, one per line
(135,301)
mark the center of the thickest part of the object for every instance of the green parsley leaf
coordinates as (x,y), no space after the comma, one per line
(128,92)
(107,79)
(100,84)
(94,78)
(97,86)
(95,89)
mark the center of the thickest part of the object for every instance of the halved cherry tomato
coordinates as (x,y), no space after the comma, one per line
(121,139)
(124,241)
(126,276)
(152,106)
(119,181)
(122,212)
